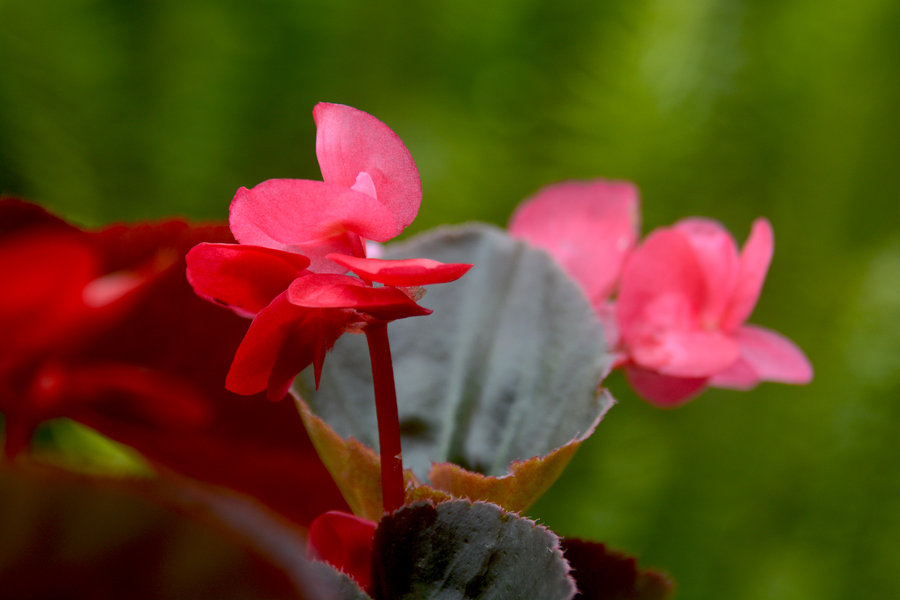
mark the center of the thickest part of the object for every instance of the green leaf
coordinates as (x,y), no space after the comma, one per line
(462,550)
(506,369)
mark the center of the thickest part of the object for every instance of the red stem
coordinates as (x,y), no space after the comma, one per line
(392,488)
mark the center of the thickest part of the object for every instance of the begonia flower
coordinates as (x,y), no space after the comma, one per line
(587,226)
(298,240)
(102,328)
(370,191)
(58,297)
(685,294)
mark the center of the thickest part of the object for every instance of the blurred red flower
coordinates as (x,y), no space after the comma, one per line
(101,327)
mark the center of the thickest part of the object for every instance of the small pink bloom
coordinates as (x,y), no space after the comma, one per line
(370,191)
(298,239)
(587,226)
(685,294)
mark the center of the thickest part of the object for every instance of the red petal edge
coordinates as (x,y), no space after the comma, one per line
(404,273)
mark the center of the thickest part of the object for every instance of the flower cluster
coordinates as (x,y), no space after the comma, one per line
(104,328)
(297,240)
(683,294)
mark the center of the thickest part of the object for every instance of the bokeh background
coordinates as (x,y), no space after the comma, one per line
(113,110)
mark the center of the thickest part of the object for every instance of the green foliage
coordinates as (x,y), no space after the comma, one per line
(505,369)
(502,379)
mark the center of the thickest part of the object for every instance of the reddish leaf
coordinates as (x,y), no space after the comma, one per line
(603,574)
(526,481)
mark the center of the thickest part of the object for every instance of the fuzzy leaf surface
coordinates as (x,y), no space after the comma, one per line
(506,369)
(466,551)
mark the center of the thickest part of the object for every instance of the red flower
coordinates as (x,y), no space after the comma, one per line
(59,297)
(298,238)
(101,327)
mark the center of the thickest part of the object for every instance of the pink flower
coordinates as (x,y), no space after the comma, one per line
(297,239)
(370,191)
(685,294)
(587,226)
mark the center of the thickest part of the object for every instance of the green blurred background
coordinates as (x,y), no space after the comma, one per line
(121,110)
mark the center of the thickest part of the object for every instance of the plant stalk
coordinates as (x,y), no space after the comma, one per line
(392,487)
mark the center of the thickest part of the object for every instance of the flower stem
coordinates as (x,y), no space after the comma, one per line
(392,488)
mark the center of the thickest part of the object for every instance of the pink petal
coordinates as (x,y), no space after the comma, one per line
(587,226)
(373,250)
(345,292)
(243,278)
(662,283)
(771,356)
(739,376)
(404,273)
(661,390)
(281,213)
(691,353)
(755,259)
(349,142)
(342,243)
(718,258)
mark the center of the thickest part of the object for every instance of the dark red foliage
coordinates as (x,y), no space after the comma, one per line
(603,574)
